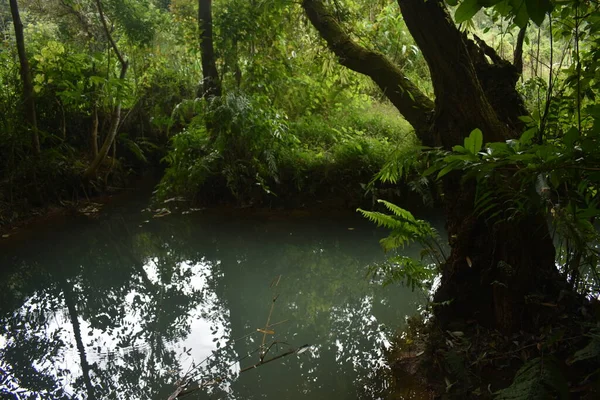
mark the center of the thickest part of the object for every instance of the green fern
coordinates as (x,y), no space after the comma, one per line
(537,379)
(399,165)
(405,230)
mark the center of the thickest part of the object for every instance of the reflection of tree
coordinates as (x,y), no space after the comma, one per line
(114,298)
(27,359)
(131,298)
(74,318)
(326,298)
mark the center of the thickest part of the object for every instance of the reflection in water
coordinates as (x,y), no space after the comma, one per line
(104,310)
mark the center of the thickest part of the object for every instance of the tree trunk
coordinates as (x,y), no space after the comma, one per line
(115,118)
(85,366)
(94,132)
(28,98)
(496,267)
(63,119)
(211,85)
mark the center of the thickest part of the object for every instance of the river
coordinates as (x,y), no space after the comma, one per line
(123,305)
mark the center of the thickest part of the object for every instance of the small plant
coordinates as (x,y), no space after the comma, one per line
(406,229)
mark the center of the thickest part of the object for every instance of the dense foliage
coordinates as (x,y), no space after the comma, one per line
(250,105)
(291,120)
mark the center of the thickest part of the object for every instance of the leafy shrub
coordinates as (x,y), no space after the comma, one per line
(241,149)
(255,153)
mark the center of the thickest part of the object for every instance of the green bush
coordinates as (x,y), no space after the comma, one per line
(253,154)
(241,149)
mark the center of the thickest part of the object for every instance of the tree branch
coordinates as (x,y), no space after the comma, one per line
(122,60)
(518,55)
(116,113)
(414,105)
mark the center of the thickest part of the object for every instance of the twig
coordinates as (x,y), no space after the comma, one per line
(262,361)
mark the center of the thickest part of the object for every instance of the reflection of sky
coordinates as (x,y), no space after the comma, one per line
(102,347)
(347,326)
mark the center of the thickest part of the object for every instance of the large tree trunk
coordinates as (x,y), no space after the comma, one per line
(115,117)
(496,267)
(28,99)
(211,85)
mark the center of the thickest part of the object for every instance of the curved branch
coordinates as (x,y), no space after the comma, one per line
(28,96)
(415,106)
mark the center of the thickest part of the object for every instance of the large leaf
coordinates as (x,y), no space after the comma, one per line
(466,10)
(537,10)
(474,142)
(519,10)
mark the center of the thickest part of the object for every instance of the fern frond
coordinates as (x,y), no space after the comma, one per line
(394,241)
(402,269)
(400,163)
(398,211)
(382,220)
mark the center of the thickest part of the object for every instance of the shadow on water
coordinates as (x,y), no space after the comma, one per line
(125,305)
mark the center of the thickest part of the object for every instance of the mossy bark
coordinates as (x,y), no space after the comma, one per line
(415,106)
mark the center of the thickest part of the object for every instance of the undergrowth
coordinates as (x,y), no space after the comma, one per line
(240,149)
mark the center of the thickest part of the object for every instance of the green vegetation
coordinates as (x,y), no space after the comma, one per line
(493,115)
(255,154)
(291,123)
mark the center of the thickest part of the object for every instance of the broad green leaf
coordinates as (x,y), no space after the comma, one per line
(571,136)
(489,3)
(527,119)
(537,10)
(528,135)
(466,10)
(430,170)
(520,13)
(474,142)
(499,148)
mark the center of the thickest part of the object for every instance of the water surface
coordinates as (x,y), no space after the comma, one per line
(124,305)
